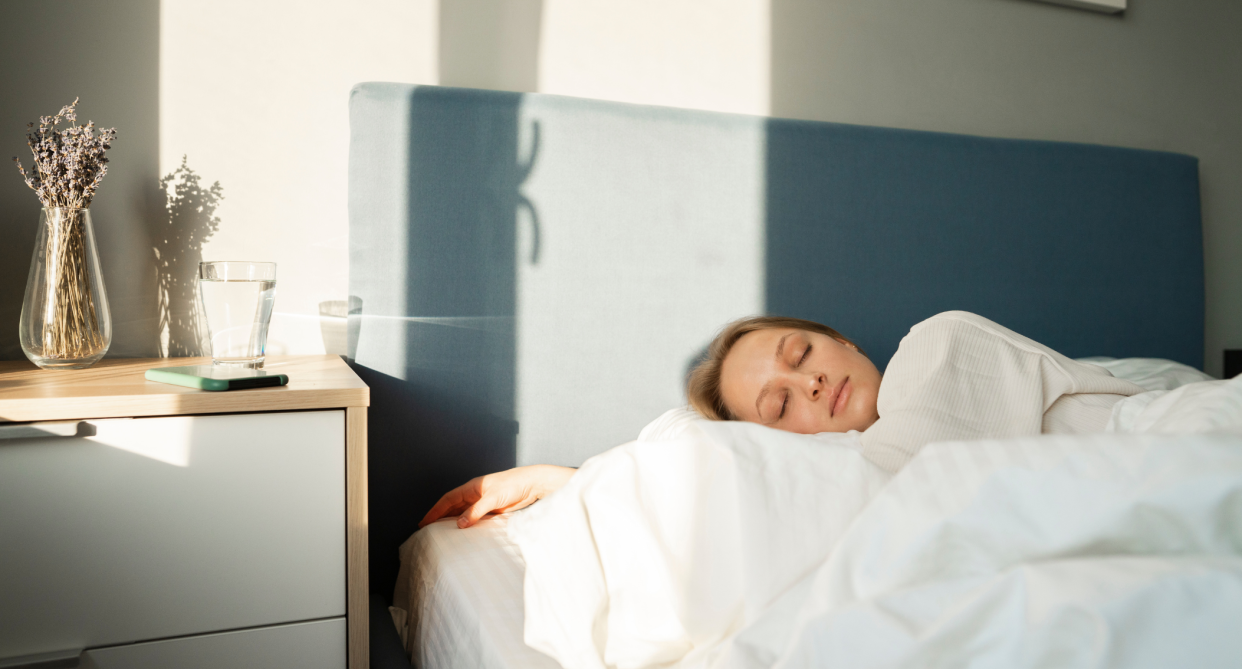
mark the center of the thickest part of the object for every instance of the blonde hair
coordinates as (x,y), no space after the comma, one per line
(703,384)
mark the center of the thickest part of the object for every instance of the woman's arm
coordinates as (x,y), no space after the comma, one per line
(503,491)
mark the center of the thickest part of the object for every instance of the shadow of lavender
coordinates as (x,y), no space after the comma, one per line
(179,236)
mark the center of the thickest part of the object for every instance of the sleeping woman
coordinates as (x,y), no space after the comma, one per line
(955,376)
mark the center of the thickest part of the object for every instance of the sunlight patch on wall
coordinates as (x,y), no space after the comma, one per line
(679,53)
(257,95)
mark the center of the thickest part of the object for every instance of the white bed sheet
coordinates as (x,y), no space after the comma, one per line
(458,600)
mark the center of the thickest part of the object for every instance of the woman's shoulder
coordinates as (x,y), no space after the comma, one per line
(959,323)
(958,329)
(955,317)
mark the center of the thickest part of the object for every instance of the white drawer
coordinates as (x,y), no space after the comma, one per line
(166,527)
(313,645)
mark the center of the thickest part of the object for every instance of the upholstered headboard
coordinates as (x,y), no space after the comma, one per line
(532,275)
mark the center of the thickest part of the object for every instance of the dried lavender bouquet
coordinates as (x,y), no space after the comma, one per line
(72,322)
(69,163)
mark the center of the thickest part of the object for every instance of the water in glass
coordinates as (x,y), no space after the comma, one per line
(238,310)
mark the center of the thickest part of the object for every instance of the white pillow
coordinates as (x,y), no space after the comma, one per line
(672,424)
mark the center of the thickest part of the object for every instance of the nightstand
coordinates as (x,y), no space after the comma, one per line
(150,525)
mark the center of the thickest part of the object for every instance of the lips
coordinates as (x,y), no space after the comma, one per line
(840,394)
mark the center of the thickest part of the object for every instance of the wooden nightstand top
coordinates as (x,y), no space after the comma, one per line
(116,388)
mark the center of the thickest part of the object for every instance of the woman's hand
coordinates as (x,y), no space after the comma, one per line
(500,492)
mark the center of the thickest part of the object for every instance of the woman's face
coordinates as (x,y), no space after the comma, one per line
(799,381)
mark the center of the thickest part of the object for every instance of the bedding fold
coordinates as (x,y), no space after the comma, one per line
(657,551)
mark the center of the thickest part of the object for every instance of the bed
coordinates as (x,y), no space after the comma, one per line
(458,600)
(459,595)
(531,275)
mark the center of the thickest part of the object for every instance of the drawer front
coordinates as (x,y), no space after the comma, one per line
(166,527)
(314,645)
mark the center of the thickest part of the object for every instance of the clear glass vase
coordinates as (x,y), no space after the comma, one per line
(65,321)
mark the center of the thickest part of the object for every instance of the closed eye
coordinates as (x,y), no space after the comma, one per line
(805,354)
(784,403)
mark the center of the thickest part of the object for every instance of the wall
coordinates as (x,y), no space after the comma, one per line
(1162,76)
(679,53)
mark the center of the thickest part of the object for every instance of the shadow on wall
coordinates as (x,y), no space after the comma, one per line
(449,414)
(178,247)
(485,44)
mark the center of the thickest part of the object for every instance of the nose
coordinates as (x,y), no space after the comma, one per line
(816,385)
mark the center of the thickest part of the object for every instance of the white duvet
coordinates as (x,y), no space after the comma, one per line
(734,545)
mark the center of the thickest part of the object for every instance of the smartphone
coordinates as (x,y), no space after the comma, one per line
(210,377)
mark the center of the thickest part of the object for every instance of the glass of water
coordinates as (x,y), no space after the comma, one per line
(237,300)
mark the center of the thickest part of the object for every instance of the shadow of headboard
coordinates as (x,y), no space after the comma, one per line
(555,264)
